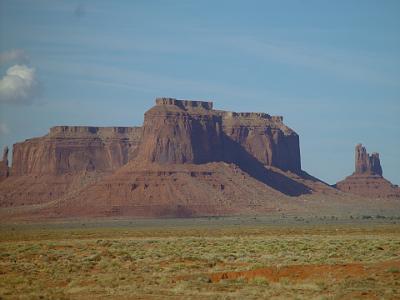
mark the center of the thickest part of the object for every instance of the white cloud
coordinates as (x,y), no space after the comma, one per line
(19,85)
(14,56)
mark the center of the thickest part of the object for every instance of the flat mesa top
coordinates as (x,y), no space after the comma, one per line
(93,131)
(184,103)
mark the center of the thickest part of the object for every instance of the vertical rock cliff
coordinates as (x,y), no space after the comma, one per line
(367,179)
(365,163)
(176,131)
(69,149)
(4,168)
(265,137)
(180,131)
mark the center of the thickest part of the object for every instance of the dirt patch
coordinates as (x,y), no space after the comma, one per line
(312,272)
(361,295)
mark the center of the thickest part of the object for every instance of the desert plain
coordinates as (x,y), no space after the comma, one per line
(260,257)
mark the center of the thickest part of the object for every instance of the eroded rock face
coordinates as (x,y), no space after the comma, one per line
(71,149)
(4,168)
(365,163)
(265,137)
(367,179)
(187,144)
(181,131)
(64,161)
(177,132)
(174,131)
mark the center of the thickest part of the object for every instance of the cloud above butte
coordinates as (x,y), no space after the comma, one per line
(20,84)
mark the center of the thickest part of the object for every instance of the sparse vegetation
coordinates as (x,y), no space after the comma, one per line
(115,262)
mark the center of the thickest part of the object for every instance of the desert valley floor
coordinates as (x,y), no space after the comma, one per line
(281,257)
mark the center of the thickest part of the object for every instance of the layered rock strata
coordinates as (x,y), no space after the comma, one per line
(188,159)
(64,161)
(265,137)
(171,190)
(174,131)
(177,132)
(181,131)
(71,149)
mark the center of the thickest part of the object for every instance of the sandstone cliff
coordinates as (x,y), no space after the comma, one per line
(181,131)
(174,131)
(265,137)
(4,168)
(187,160)
(70,149)
(367,179)
(365,163)
(64,161)
(177,131)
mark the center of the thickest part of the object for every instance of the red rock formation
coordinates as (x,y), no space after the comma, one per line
(186,160)
(172,190)
(64,161)
(365,163)
(4,169)
(375,164)
(367,180)
(174,131)
(70,149)
(265,137)
(181,131)
(177,131)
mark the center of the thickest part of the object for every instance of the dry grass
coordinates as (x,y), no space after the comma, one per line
(164,262)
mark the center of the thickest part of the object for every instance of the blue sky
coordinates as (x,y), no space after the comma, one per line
(331,68)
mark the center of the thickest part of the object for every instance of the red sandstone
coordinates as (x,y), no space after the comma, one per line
(187,160)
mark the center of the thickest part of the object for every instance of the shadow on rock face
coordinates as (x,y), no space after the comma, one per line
(305,175)
(236,153)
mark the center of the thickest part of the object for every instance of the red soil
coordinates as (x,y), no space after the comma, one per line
(304,272)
